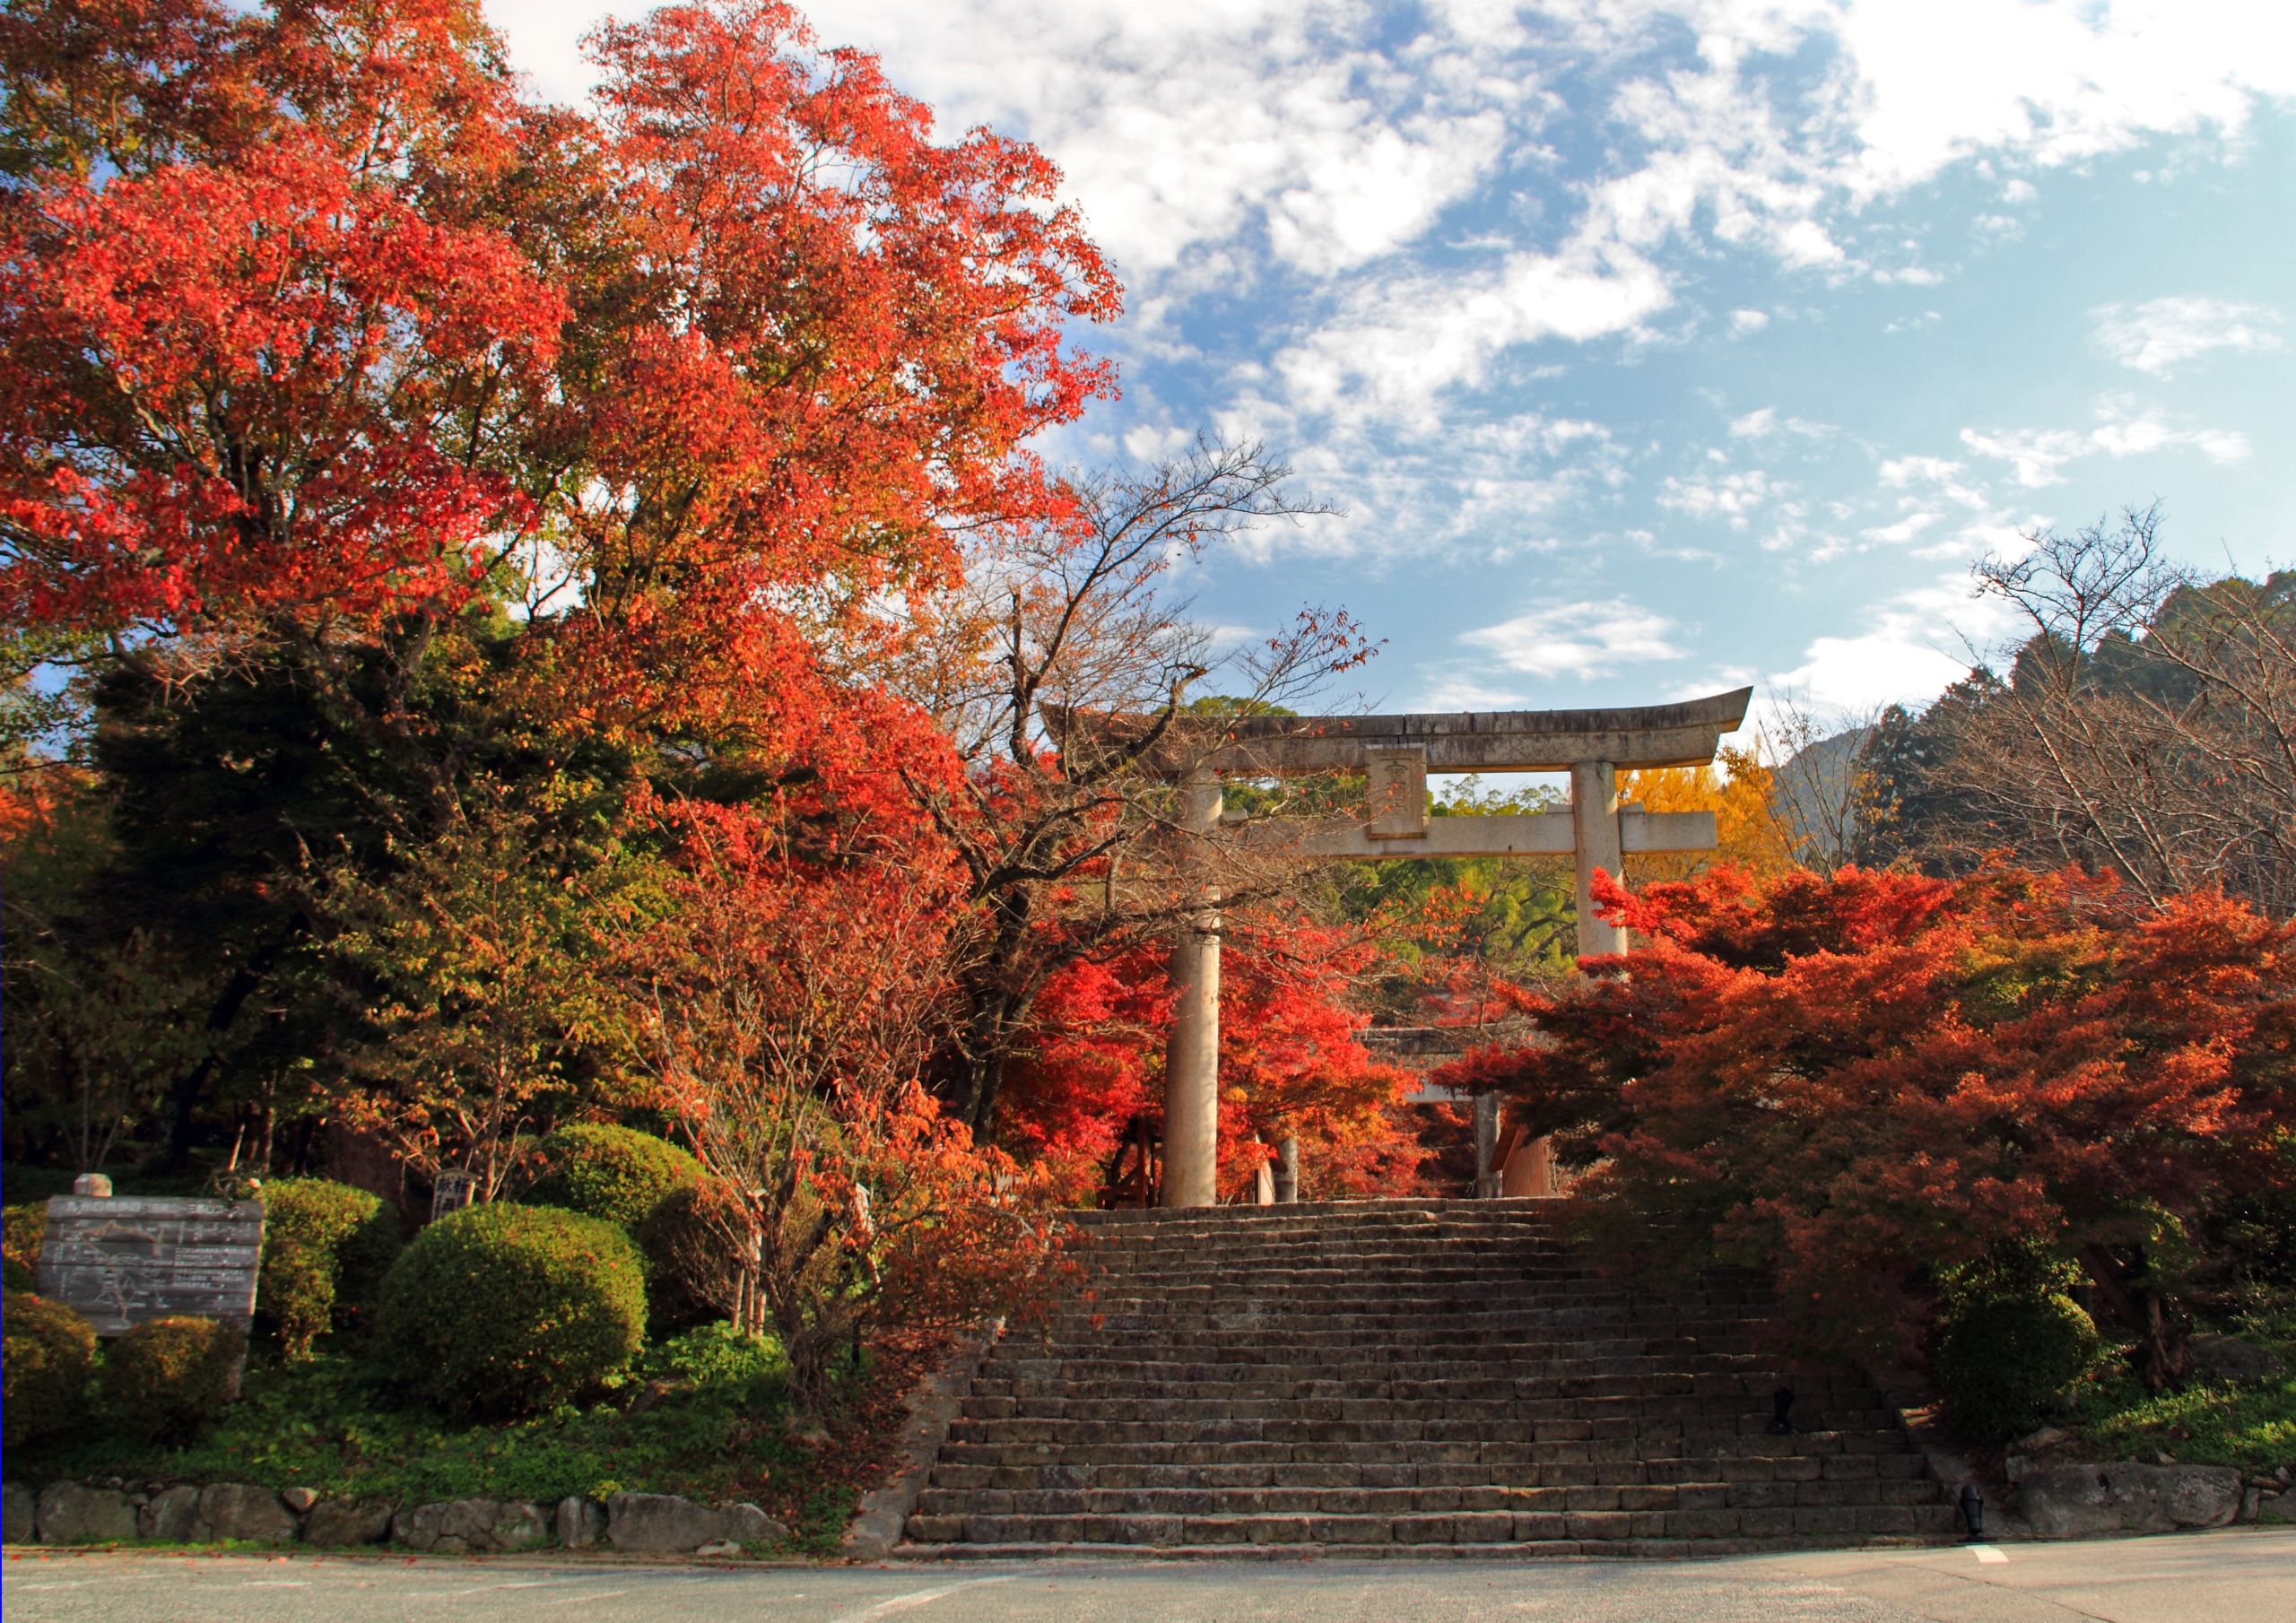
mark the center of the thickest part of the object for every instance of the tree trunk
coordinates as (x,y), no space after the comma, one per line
(2163,1355)
(184,1097)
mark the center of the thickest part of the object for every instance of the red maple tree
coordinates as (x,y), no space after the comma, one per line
(1856,1082)
(257,357)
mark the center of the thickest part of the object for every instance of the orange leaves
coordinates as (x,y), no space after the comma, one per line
(309,322)
(1857,1078)
(250,378)
(824,338)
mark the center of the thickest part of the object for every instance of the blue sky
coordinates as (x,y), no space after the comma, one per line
(1654,347)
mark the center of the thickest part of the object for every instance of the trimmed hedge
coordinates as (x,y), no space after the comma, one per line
(325,1248)
(614,1173)
(22,1228)
(506,1309)
(46,1354)
(165,1378)
(2002,1362)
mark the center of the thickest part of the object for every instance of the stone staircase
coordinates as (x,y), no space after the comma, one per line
(1398,1378)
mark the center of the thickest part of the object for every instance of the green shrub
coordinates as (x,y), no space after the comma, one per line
(2003,1361)
(325,1246)
(165,1378)
(22,1231)
(48,1353)
(607,1172)
(690,1272)
(507,1309)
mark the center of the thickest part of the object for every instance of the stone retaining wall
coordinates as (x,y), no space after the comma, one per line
(627,1523)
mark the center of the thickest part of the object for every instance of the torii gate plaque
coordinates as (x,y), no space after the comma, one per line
(1394,753)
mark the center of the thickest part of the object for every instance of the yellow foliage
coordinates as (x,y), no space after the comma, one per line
(1749,823)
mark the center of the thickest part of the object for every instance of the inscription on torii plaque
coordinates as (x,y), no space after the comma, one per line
(119,1260)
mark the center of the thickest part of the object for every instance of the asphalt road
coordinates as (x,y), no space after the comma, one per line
(2239,1575)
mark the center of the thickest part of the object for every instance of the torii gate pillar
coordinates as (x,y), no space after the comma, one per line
(1192,1050)
(1594,839)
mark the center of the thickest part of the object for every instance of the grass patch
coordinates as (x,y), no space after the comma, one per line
(704,1416)
(2249,1424)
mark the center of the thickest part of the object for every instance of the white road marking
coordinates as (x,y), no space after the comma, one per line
(885,1609)
(1986,1552)
(602,1595)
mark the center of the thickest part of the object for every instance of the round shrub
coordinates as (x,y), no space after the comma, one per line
(22,1231)
(608,1172)
(507,1309)
(165,1378)
(691,1269)
(48,1353)
(325,1246)
(2002,1361)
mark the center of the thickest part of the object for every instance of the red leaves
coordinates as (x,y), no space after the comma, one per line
(251,380)
(827,340)
(1854,1079)
(307,319)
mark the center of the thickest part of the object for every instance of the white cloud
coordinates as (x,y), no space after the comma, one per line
(1902,471)
(1755,424)
(1733,496)
(2054,83)
(1449,690)
(1582,639)
(2161,334)
(2037,455)
(1347,222)
(1906,529)
(1399,344)
(1910,650)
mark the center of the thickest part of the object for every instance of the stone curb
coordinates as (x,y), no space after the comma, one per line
(879,1519)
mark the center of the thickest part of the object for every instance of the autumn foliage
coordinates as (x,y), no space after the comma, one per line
(259,353)
(1860,1082)
(785,1007)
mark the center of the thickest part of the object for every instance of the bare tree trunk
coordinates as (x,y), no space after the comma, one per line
(2163,1356)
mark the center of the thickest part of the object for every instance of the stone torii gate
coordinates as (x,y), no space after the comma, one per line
(1394,753)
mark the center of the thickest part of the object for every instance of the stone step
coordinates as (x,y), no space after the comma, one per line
(1102,1324)
(1367,1423)
(1462,1527)
(1403,1377)
(1364,1466)
(1636,1550)
(1027,1442)
(1345,1272)
(1419,1501)
(1424,1376)
(1312,1353)
(1278,1298)
(1414,1362)
(1222,1403)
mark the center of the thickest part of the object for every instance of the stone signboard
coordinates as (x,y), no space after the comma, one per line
(119,1260)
